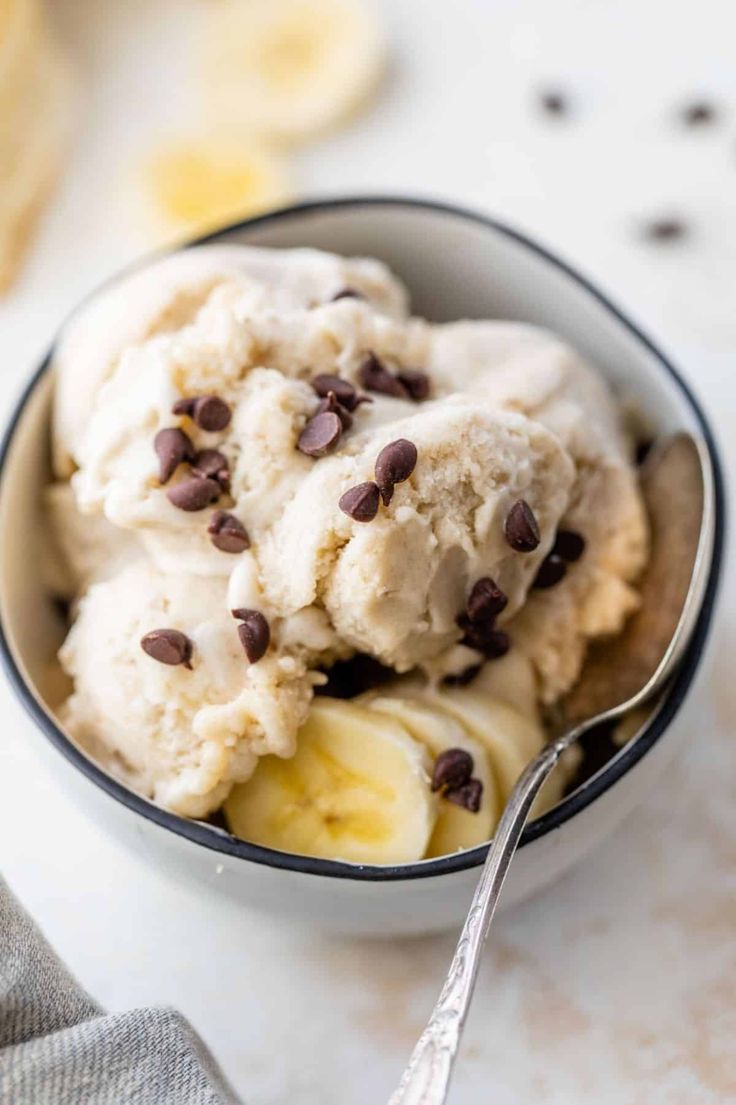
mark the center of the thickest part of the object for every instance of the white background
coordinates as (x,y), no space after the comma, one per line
(618,985)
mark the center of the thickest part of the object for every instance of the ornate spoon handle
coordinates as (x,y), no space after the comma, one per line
(427,1077)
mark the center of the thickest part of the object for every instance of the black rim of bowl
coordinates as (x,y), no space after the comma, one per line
(217,840)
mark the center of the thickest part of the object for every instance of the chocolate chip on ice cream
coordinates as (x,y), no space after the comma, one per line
(172,447)
(168,646)
(212,464)
(254,633)
(415,381)
(374,376)
(228,533)
(343,390)
(394,464)
(194,494)
(361,502)
(569,545)
(320,434)
(551,572)
(485,601)
(521,529)
(481,636)
(209,412)
(334,406)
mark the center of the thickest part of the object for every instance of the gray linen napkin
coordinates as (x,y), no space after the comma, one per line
(57,1047)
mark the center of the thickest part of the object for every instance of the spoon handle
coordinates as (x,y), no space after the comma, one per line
(427,1077)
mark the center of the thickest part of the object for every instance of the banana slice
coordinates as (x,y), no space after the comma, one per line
(510,679)
(510,739)
(456,828)
(288,69)
(200,184)
(37,100)
(356,790)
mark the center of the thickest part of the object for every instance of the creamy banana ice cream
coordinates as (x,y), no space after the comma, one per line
(267,470)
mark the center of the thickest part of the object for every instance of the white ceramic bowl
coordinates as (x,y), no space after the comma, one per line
(457,264)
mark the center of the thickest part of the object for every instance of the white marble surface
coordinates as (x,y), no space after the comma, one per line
(618,985)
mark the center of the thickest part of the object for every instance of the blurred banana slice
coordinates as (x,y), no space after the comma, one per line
(36,115)
(288,69)
(456,828)
(200,184)
(356,790)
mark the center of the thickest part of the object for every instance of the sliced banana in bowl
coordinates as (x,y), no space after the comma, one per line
(457,828)
(357,790)
(359,787)
(510,739)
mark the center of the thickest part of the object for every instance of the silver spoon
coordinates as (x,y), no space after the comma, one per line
(619,675)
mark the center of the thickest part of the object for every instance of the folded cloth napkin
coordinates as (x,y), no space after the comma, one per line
(57,1047)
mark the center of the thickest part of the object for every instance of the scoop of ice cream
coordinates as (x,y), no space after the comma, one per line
(393,587)
(83,548)
(181,735)
(526,369)
(165,296)
(257,355)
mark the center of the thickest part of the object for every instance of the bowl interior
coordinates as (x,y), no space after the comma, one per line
(455,265)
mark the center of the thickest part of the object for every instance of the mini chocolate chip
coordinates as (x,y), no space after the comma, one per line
(320,434)
(464,677)
(452,768)
(493,643)
(212,464)
(168,646)
(228,533)
(330,403)
(415,381)
(551,571)
(172,447)
(194,494)
(211,413)
(569,545)
(521,529)
(554,102)
(344,391)
(208,411)
(394,464)
(486,601)
(360,502)
(468,795)
(698,113)
(374,376)
(254,633)
(664,230)
(347,293)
